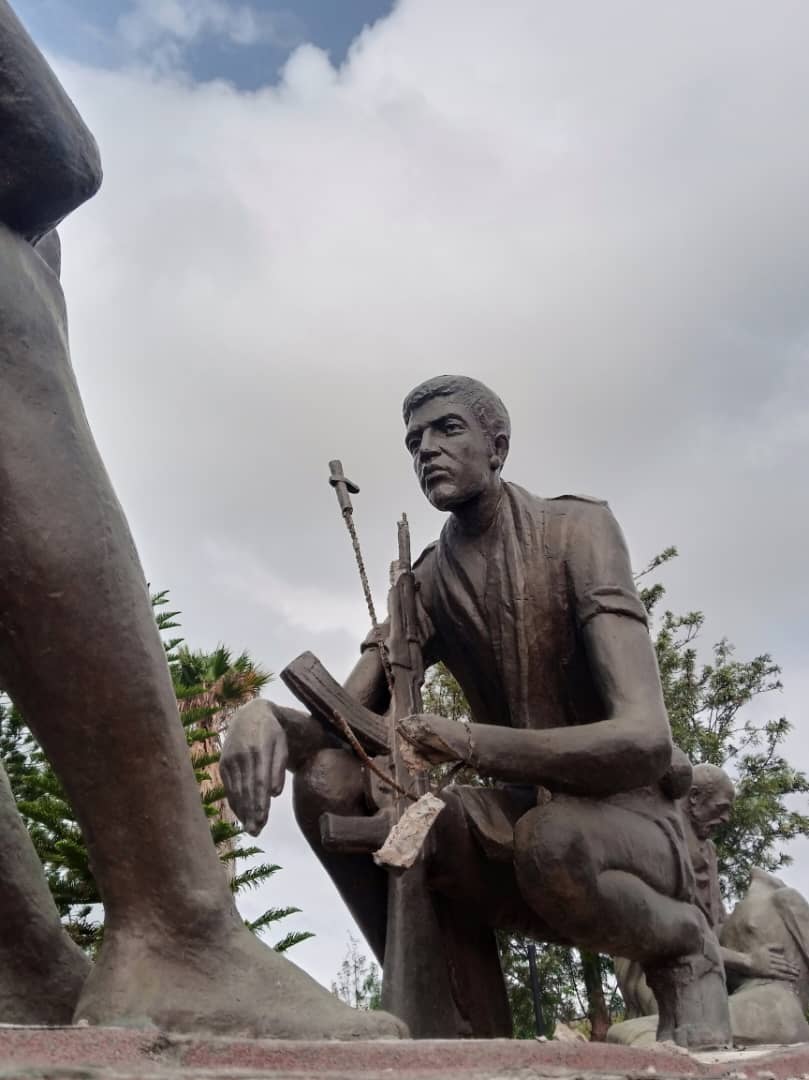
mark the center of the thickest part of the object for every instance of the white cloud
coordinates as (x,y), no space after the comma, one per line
(187,21)
(314,610)
(598,209)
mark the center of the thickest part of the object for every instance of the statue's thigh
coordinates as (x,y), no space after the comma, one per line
(461,871)
(330,781)
(589,837)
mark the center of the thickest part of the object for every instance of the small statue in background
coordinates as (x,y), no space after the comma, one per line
(765,941)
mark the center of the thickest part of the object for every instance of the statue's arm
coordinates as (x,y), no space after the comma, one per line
(764,962)
(265,739)
(50,162)
(630,748)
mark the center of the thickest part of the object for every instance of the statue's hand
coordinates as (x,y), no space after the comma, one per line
(437,738)
(768,962)
(253,763)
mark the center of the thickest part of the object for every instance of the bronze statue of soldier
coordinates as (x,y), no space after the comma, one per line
(531,604)
(81,656)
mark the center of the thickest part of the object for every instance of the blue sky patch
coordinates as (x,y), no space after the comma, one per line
(243,41)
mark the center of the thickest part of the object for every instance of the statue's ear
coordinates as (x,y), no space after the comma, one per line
(49,248)
(501,447)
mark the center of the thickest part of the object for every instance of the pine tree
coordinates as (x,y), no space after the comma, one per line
(358,982)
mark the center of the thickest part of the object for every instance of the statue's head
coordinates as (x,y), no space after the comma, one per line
(710,800)
(458,434)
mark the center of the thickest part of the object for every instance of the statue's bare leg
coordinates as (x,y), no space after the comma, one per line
(41,970)
(82,658)
(607,879)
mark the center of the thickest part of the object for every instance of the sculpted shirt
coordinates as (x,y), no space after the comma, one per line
(706,878)
(505,612)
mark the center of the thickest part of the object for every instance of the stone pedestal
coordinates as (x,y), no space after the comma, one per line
(148,1054)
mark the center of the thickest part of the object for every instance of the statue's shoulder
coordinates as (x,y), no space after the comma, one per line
(591,499)
(560,511)
(576,508)
(426,556)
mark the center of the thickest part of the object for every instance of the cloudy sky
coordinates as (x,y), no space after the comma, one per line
(599,209)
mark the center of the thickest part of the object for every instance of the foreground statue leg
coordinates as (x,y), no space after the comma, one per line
(79,650)
(607,879)
(42,970)
(81,656)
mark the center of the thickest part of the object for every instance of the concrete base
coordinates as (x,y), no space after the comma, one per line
(85,1053)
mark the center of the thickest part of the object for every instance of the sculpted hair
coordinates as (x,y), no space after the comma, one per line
(710,778)
(487,407)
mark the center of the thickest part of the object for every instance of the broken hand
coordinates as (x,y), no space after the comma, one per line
(437,738)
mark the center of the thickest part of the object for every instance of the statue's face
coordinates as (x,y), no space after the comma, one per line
(451,453)
(709,809)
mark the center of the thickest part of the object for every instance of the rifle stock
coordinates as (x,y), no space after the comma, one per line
(354,835)
(323,696)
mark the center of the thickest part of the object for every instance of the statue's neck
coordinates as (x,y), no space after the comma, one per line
(478,515)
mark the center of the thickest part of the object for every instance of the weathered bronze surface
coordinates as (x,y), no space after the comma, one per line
(765,940)
(81,656)
(532,605)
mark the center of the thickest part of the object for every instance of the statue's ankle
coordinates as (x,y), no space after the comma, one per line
(692,1001)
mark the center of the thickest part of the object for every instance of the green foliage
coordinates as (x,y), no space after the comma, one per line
(443,696)
(208,687)
(358,982)
(562,994)
(52,826)
(715,708)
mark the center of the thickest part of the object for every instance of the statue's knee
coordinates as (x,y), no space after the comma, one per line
(448,851)
(549,848)
(330,781)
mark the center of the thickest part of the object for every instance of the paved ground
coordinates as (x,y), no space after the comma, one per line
(123,1054)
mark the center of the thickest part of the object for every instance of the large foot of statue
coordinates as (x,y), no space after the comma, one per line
(42,987)
(225,983)
(692,1000)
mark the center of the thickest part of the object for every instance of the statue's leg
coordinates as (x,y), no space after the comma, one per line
(332,782)
(476,896)
(41,970)
(81,656)
(608,879)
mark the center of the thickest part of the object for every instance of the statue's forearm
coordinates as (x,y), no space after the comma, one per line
(601,758)
(50,159)
(630,748)
(306,735)
(738,962)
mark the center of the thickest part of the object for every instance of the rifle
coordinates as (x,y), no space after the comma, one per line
(416,983)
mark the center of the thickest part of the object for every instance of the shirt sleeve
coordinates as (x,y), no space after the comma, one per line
(599,568)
